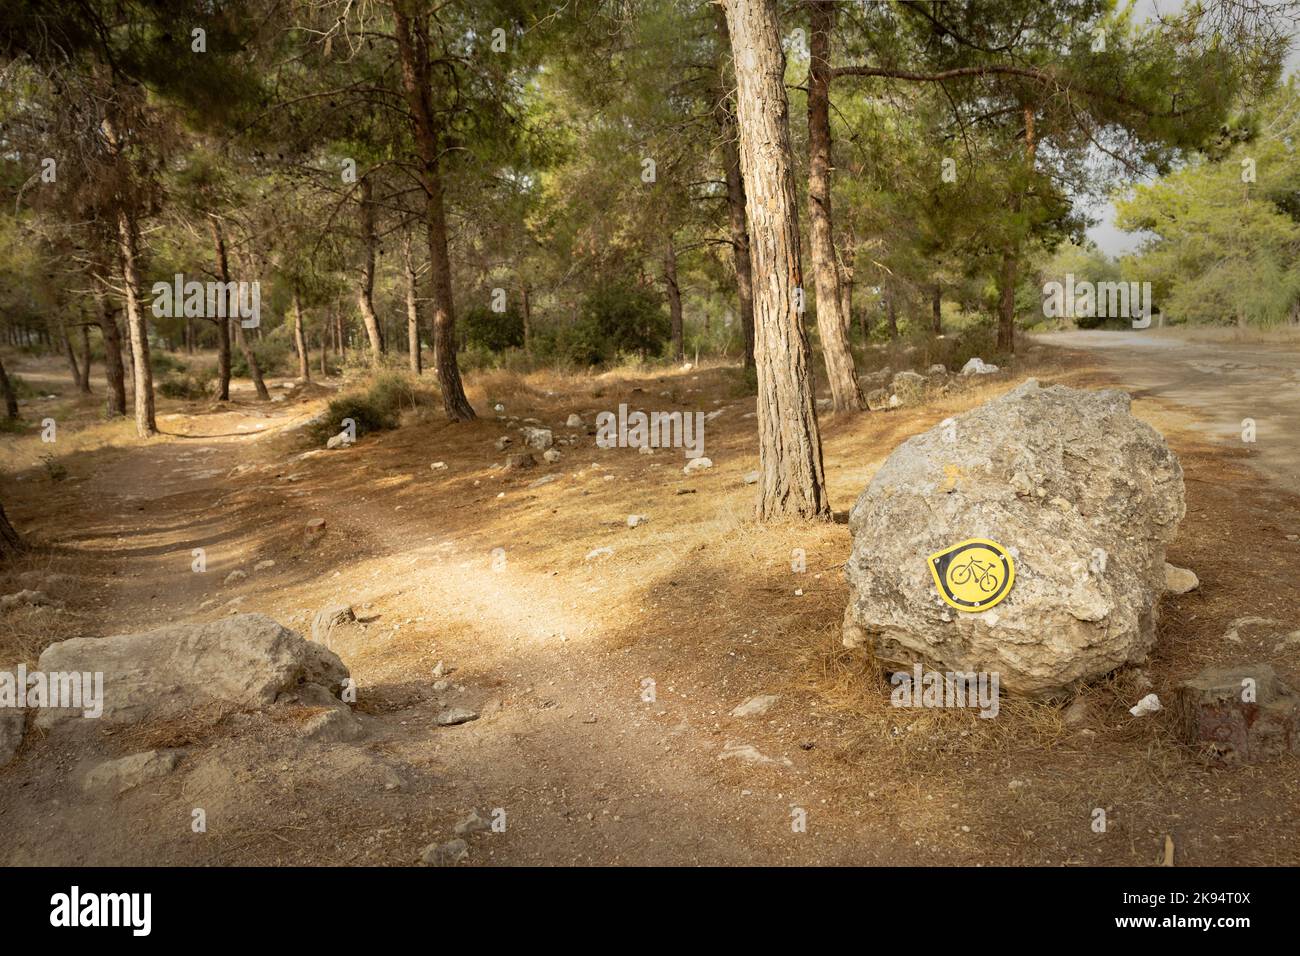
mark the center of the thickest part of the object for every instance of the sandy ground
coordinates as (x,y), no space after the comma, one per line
(556,652)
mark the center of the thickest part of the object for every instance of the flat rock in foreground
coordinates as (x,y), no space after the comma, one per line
(245,660)
(1083,496)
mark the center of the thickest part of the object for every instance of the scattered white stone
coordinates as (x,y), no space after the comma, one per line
(472,824)
(574,421)
(747,753)
(697,464)
(539,438)
(1147,705)
(634,520)
(756,706)
(339,440)
(503,442)
(263,565)
(551,455)
(439,466)
(751,477)
(236,575)
(977,366)
(597,553)
(28,598)
(645,450)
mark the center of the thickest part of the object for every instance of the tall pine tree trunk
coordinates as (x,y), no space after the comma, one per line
(936,306)
(726,121)
(846,394)
(413,49)
(789,442)
(674,299)
(114,373)
(10,543)
(254,370)
(85,357)
(7,391)
(1011,255)
(146,423)
(300,341)
(366,292)
(412,306)
(527,309)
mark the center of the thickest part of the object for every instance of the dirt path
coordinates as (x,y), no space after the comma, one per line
(556,654)
(1222,385)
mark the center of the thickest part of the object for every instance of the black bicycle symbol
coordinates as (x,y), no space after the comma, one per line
(981,571)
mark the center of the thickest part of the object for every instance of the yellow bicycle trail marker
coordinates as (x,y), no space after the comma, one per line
(973,575)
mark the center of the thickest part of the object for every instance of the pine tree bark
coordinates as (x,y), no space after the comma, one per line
(10,543)
(7,390)
(146,422)
(366,292)
(789,442)
(412,307)
(846,393)
(85,358)
(1006,341)
(114,373)
(674,300)
(726,120)
(300,341)
(254,370)
(936,313)
(413,49)
(527,309)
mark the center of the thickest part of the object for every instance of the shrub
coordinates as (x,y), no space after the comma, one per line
(626,318)
(377,408)
(163,362)
(494,331)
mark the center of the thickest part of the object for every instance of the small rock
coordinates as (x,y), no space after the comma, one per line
(27,598)
(574,421)
(439,466)
(877,399)
(756,706)
(339,440)
(539,438)
(332,725)
(977,366)
(645,450)
(328,618)
(263,565)
(439,669)
(1179,580)
(118,776)
(445,854)
(596,553)
(544,480)
(236,575)
(1149,704)
(472,824)
(697,464)
(551,455)
(504,442)
(635,520)
(751,477)
(315,528)
(520,461)
(455,715)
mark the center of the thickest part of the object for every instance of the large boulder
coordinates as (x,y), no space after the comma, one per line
(246,660)
(1084,498)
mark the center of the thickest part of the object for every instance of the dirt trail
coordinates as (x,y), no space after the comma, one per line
(1221,385)
(554,652)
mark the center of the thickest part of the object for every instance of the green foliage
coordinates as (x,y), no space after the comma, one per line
(494,331)
(624,318)
(376,408)
(1224,248)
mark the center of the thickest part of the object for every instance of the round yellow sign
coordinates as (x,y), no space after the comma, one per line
(973,575)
